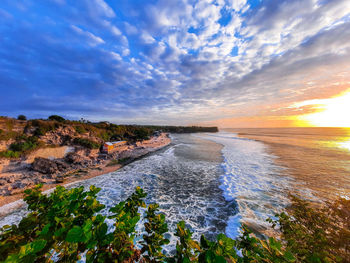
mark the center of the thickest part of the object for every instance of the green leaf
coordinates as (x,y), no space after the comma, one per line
(38,245)
(45,230)
(75,235)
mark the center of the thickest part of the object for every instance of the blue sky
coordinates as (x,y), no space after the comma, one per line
(170,61)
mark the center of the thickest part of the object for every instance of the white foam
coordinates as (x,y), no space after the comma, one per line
(251,179)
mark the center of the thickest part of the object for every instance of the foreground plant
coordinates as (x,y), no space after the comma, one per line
(68,226)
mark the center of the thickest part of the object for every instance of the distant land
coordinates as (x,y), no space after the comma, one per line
(55,150)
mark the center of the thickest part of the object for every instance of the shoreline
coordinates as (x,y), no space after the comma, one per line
(134,153)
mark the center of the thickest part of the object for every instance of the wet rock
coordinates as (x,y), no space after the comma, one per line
(44,166)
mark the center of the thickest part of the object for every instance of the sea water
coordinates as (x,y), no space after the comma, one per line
(214,182)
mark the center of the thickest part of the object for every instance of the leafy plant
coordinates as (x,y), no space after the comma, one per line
(64,226)
(42,127)
(10,154)
(154,240)
(24,144)
(316,234)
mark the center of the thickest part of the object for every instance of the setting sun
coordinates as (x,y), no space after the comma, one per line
(332,112)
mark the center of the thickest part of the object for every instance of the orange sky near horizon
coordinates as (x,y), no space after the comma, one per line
(326,112)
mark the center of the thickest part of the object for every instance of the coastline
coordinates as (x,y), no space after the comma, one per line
(132,153)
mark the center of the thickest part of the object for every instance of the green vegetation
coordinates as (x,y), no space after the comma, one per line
(68,223)
(11,129)
(79,129)
(10,154)
(21,118)
(42,127)
(56,118)
(86,143)
(6,130)
(23,145)
(322,233)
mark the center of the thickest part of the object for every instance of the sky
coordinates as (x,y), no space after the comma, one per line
(230,63)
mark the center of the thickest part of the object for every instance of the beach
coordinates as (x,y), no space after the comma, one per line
(131,153)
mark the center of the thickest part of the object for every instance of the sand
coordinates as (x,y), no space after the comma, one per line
(133,152)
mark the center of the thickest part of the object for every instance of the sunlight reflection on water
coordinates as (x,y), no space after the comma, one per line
(345,145)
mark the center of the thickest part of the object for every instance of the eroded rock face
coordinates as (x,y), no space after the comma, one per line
(4,145)
(61,165)
(74,158)
(3,164)
(44,166)
(61,136)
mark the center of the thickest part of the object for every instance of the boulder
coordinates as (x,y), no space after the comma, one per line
(44,166)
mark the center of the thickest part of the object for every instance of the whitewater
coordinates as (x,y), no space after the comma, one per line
(214,182)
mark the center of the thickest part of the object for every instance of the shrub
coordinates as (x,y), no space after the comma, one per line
(79,129)
(24,144)
(68,224)
(10,154)
(56,118)
(4,136)
(86,143)
(42,127)
(319,234)
(21,118)
(142,133)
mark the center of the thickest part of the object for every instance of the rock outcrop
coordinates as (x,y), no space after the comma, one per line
(47,166)
(74,158)
(60,136)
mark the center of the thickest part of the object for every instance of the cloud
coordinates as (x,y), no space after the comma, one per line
(170,61)
(90,38)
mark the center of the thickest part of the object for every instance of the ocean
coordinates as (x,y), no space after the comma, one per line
(317,159)
(216,181)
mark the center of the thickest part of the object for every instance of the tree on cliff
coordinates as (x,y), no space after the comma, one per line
(21,117)
(56,118)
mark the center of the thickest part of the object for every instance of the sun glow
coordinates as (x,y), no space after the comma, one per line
(345,145)
(332,112)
